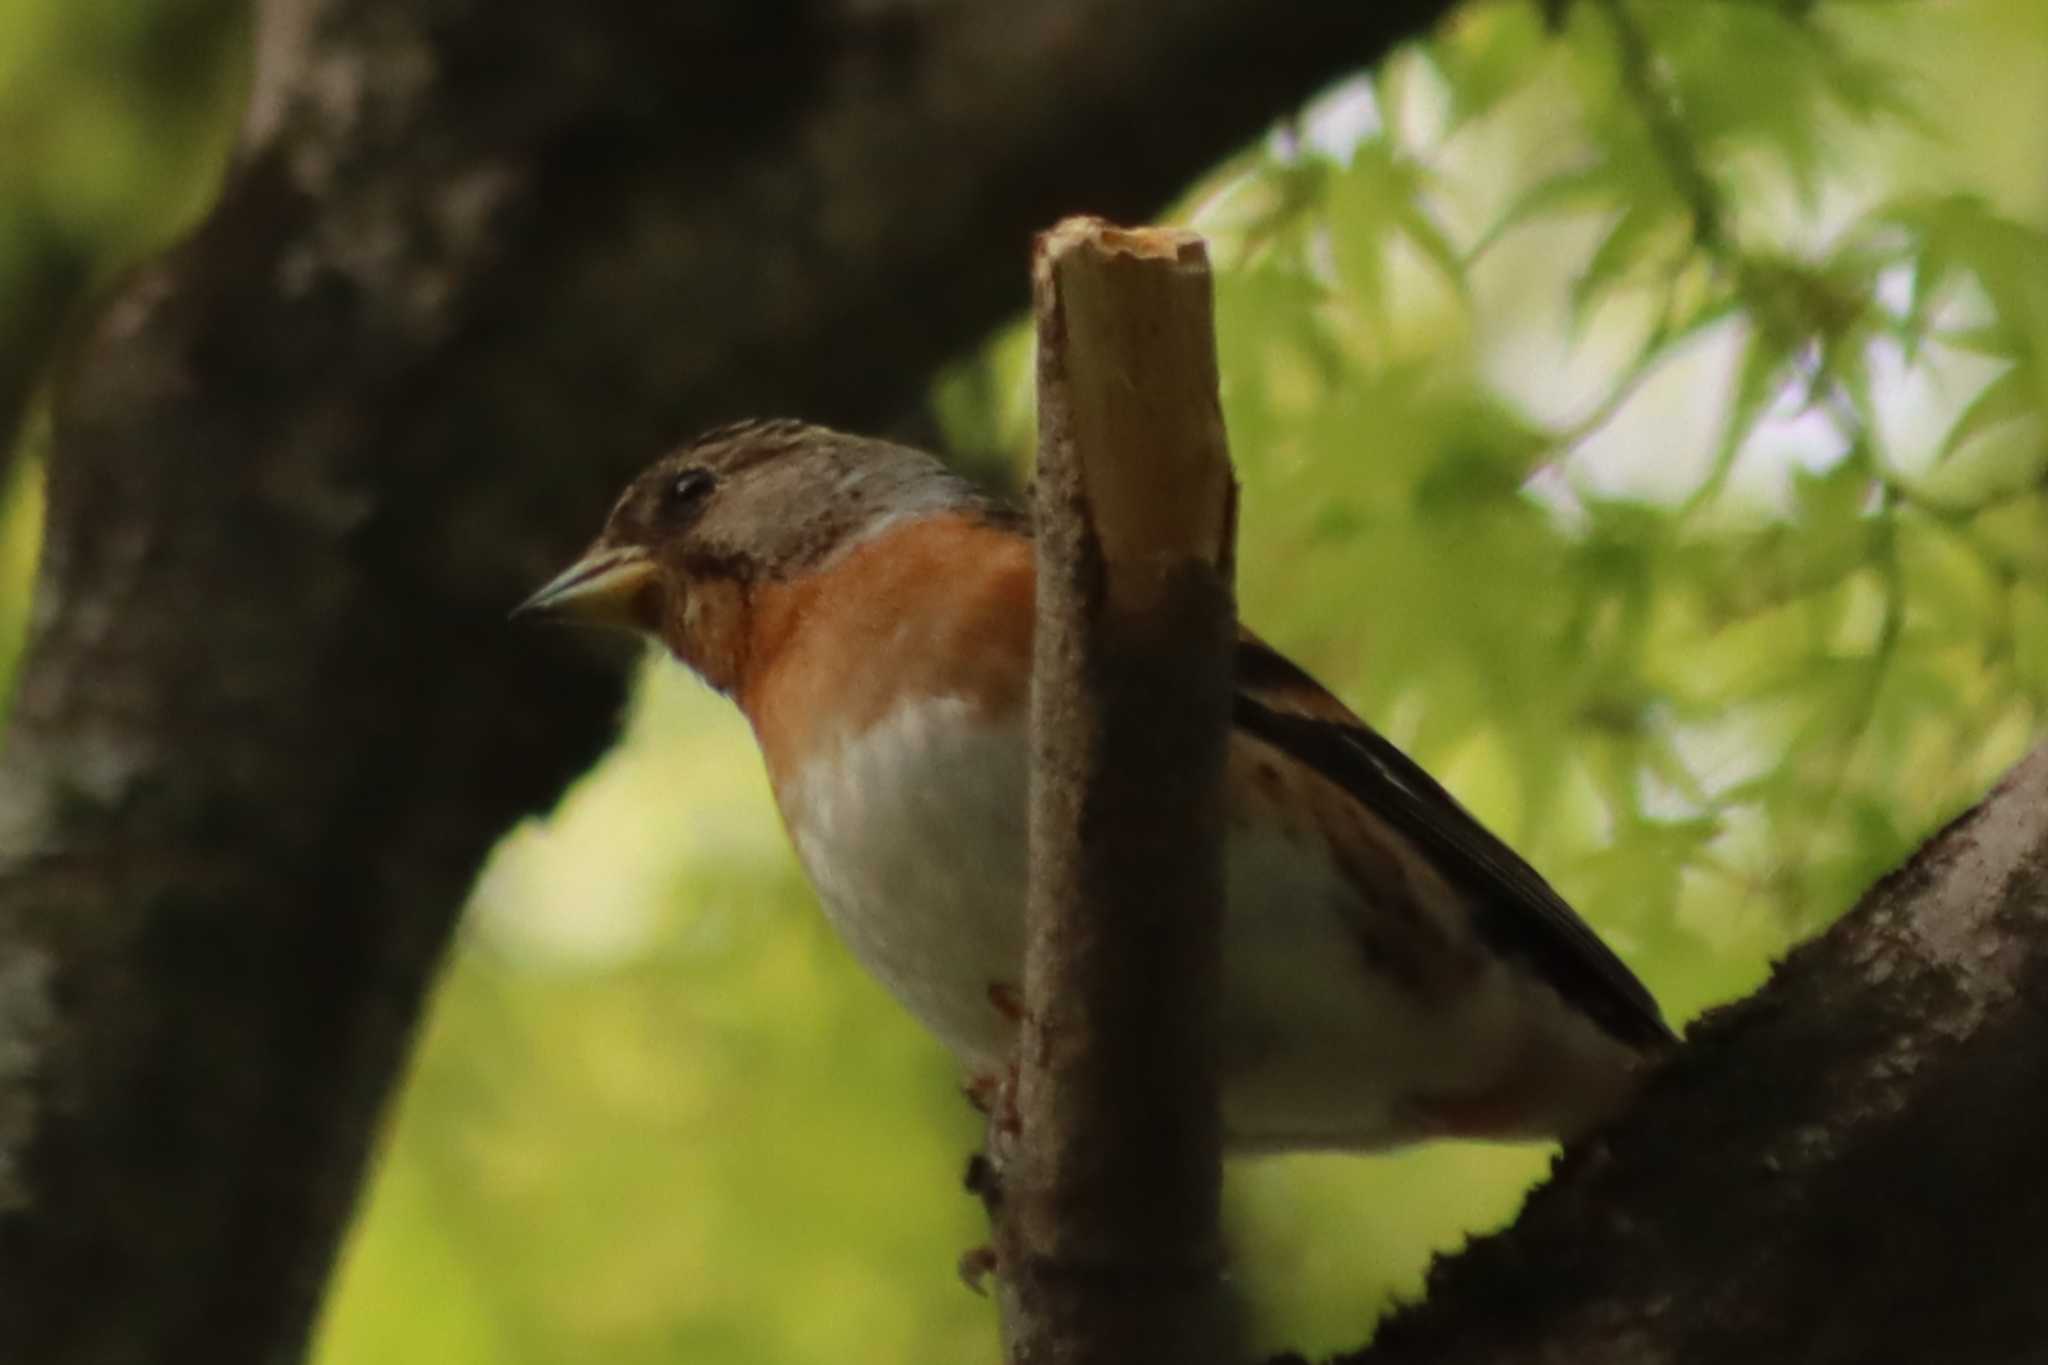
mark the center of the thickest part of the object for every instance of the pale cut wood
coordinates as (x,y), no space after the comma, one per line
(1125,318)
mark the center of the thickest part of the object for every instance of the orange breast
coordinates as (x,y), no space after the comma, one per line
(941,606)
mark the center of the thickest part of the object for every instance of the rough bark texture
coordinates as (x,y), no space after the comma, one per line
(475,263)
(1107,1226)
(1845,1167)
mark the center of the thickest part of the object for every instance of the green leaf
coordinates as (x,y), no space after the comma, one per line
(1757,382)
(1637,233)
(2010,397)
(1594,185)
(1423,232)
(1490,54)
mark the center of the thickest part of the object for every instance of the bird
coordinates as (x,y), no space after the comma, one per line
(1393,972)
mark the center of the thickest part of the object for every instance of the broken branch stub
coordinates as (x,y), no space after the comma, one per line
(1107,1232)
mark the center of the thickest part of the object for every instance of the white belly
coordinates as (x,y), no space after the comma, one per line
(915,839)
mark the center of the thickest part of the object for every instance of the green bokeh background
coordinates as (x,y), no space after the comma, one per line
(1710,567)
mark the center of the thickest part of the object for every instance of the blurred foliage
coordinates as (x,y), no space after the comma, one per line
(1643,417)
(115,124)
(115,120)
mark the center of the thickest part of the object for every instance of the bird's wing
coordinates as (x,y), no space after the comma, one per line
(1514,909)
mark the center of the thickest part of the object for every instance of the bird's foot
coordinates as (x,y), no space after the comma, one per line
(985,1182)
(1008,1000)
(982,1180)
(994,1094)
(976,1265)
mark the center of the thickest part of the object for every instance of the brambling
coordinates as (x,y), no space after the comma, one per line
(1393,972)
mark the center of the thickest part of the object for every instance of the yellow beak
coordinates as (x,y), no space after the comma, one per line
(602,589)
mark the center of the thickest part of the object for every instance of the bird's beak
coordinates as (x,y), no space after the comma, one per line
(603,588)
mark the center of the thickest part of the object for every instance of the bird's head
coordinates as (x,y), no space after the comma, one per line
(698,532)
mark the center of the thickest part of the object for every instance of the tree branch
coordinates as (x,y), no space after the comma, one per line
(1107,1227)
(1843,1167)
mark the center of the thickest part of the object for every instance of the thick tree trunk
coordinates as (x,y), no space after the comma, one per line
(475,263)
(1845,1167)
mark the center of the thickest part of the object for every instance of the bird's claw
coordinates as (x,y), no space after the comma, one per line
(976,1265)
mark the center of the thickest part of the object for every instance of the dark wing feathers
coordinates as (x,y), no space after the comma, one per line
(1515,910)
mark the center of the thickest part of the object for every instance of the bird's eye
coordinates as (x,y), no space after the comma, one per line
(686,491)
